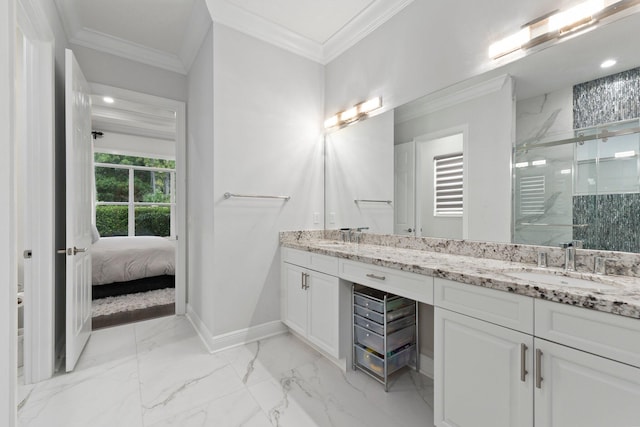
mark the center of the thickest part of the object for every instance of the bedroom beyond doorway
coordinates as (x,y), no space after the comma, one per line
(134,211)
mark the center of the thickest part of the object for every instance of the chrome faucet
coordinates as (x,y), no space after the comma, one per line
(570,254)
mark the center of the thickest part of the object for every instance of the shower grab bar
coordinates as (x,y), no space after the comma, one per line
(538,224)
(356,201)
(255,196)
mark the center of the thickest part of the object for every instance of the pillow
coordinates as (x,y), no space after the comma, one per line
(95,235)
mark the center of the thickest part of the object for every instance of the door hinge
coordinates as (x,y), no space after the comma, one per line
(27,254)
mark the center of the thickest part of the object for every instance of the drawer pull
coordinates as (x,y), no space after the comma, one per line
(523,361)
(538,368)
(373,276)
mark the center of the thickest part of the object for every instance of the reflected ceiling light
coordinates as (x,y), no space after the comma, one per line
(522,164)
(622,154)
(608,63)
(565,171)
(353,114)
(539,163)
(108,100)
(558,24)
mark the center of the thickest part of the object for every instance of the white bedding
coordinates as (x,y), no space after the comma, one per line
(120,259)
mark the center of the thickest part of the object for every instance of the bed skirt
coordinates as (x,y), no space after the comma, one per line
(133,286)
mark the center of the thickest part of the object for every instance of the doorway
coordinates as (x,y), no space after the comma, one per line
(142,139)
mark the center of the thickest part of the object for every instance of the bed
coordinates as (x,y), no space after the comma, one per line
(125,265)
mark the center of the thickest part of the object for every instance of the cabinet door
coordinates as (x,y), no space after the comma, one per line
(295,299)
(580,389)
(323,311)
(478,368)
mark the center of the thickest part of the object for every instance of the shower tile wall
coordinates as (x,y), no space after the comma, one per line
(609,99)
(614,221)
(614,218)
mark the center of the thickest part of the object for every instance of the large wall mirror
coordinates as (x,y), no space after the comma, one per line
(444,165)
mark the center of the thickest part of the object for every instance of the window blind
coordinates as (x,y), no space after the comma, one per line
(448,171)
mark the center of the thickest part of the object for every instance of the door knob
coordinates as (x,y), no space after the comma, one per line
(410,230)
(76,250)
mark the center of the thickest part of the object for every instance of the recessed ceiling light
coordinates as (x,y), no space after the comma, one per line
(108,100)
(608,63)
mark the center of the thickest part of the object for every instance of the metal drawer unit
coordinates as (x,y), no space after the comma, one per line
(385,332)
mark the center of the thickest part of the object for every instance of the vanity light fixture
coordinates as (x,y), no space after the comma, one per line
(539,163)
(108,100)
(558,24)
(608,63)
(623,154)
(522,164)
(353,114)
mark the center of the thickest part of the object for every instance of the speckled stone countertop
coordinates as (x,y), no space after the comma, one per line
(489,265)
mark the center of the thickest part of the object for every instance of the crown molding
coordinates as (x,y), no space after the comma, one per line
(126,49)
(226,13)
(431,104)
(229,14)
(361,26)
(199,23)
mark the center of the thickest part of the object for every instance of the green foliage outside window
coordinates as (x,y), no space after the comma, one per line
(112,185)
(150,220)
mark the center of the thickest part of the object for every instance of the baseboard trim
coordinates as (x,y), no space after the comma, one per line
(236,338)
(426,366)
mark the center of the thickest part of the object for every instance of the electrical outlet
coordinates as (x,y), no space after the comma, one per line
(316,217)
(332,217)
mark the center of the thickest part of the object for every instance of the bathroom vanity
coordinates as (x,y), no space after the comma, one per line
(515,345)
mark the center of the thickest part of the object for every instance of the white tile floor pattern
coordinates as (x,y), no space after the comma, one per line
(157,373)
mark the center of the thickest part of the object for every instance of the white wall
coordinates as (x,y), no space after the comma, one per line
(489,121)
(8,274)
(200,206)
(360,166)
(111,70)
(427,46)
(266,122)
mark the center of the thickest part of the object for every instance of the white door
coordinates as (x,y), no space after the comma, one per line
(580,389)
(324,316)
(404,189)
(78,205)
(295,298)
(483,374)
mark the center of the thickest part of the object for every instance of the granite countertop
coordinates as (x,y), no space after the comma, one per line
(618,295)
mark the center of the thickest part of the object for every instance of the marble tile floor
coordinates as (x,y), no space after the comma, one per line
(157,373)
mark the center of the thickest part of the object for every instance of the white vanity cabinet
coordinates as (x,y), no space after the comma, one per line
(310,299)
(494,367)
(593,379)
(483,370)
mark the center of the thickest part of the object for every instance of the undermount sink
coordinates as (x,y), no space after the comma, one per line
(550,278)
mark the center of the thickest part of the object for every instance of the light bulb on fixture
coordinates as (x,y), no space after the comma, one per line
(370,105)
(510,43)
(331,122)
(358,112)
(539,163)
(349,114)
(108,100)
(522,164)
(576,16)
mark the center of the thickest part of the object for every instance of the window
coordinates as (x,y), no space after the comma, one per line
(135,196)
(532,195)
(448,172)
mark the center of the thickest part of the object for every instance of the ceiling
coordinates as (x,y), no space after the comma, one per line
(168,33)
